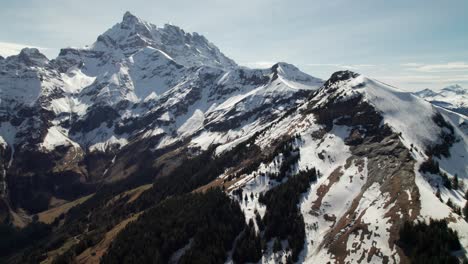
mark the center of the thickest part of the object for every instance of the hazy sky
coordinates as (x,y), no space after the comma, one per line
(412,44)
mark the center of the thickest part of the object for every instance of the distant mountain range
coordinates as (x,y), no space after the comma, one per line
(453,97)
(151,145)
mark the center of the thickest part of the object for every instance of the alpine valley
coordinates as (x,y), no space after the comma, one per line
(152,146)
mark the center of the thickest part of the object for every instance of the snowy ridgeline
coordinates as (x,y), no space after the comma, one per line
(163,87)
(453,97)
(146,84)
(331,155)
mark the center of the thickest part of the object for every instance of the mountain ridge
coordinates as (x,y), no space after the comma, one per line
(137,109)
(453,97)
(95,101)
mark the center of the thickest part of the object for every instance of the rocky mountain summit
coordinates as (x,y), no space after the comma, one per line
(151,138)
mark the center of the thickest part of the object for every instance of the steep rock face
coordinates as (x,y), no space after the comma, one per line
(146,104)
(66,121)
(187,49)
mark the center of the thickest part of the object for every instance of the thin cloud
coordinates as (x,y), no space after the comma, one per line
(259,64)
(268,64)
(344,66)
(442,67)
(357,66)
(412,64)
(427,79)
(323,64)
(9,49)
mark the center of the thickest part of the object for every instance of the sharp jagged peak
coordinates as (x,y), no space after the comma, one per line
(291,72)
(188,49)
(133,23)
(174,28)
(130,18)
(341,76)
(31,57)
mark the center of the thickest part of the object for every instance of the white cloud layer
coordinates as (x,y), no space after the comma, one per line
(8,49)
(426,78)
(442,67)
(259,64)
(343,66)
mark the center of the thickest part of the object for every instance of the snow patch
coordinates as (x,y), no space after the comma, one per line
(56,136)
(194,123)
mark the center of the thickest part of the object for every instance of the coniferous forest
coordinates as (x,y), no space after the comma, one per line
(207,222)
(283,219)
(429,243)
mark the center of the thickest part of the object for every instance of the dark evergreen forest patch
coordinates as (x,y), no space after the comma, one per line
(211,221)
(429,243)
(283,218)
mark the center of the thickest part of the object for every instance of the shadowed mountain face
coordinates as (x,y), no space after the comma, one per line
(148,118)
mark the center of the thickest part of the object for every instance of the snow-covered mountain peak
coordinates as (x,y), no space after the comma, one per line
(144,100)
(455,88)
(130,18)
(129,35)
(425,93)
(294,77)
(135,59)
(31,57)
(285,69)
(453,97)
(397,107)
(340,76)
(135,26)
(187,49)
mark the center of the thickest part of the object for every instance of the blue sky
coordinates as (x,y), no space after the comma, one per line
(409,44)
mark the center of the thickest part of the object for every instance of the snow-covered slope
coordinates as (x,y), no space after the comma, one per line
(366,141)
(396,106)
(136,83)
(453,97)
(142,100)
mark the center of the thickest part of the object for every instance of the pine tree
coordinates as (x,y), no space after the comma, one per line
(259,221)
(447,182)
(429,243)
(455,182)
(465,211)
(449,203)
(248,247)
(277,246)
